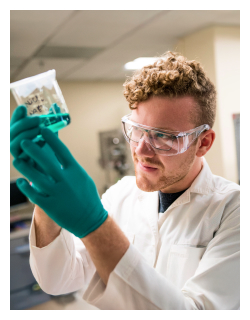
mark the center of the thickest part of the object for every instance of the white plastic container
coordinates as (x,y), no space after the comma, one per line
(42,97)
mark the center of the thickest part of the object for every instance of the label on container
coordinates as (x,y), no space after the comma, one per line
(35,104)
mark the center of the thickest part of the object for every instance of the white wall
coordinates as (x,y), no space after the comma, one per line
(93,107)
(218,50)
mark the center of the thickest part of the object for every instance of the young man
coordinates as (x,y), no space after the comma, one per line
(167,238)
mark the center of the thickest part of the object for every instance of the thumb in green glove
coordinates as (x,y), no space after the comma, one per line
(28,127)
(71,200)
(25,127)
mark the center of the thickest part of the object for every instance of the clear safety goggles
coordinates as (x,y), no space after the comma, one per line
(168,143)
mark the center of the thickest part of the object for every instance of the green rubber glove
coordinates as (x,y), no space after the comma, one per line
(72,199)
(22,127)
(26,127)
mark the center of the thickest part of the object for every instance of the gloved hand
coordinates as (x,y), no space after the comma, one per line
(24,127)
(72,199)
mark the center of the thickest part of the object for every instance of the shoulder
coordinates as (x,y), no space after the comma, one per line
(227,194)
(223,185)
(227,189)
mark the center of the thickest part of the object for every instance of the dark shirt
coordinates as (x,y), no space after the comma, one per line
(166,199)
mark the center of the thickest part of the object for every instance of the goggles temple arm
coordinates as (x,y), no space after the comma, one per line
(197,134)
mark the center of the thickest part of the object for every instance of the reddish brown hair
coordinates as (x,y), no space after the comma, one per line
(172,75)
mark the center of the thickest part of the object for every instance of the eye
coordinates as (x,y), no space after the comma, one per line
(160,135)
(163,136)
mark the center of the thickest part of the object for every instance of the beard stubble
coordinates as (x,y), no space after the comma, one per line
(167,179)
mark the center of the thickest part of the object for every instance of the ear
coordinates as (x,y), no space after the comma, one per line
(206,140)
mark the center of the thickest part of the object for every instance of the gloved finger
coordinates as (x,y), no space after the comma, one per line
(42,158)
(30,192)
(40,143)
(39,179)
(31,163)
(46,149)
(23,156)
(15,144)
(19,113)
(23,125)
(62,153)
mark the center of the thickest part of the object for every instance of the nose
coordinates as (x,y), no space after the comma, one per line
(144,148)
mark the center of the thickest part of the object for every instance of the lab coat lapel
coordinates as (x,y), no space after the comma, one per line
(149,206)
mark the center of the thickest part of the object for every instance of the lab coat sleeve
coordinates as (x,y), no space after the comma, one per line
(64,265)
(134,284)
(61,267)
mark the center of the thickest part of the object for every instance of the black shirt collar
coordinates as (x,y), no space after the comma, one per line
(166,199)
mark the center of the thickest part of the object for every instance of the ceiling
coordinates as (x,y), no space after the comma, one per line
(94,45)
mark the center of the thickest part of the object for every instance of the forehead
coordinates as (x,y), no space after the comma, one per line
(165,113)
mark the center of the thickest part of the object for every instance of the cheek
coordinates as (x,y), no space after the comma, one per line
(168,161)
(133,152)
(173,164)
(182,162)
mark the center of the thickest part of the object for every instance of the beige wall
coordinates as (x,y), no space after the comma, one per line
(93,107)
(227,53)
(218,50)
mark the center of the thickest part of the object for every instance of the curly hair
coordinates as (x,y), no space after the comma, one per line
(172,75)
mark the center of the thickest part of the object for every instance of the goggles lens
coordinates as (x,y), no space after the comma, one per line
(164,143)
(159,140)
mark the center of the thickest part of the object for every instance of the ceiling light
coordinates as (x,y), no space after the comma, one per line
(139,63)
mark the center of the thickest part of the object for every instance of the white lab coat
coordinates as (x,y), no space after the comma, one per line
(187,259)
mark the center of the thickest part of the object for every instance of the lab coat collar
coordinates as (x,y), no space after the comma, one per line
(203,183)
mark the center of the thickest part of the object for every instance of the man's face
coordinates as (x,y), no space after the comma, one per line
(169,173)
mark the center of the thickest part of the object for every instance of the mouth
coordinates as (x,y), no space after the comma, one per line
(146,168)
